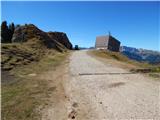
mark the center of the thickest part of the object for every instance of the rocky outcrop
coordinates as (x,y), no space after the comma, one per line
(26,33)
(61,38)
(36,44)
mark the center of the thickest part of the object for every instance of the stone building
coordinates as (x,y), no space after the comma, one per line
(107,42)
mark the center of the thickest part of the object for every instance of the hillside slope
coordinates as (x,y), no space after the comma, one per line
(29,44)
(33,54)
(118,59)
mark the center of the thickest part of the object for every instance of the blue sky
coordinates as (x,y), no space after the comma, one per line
(135,24)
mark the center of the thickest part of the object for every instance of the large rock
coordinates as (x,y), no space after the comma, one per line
(61,38)
(26,33)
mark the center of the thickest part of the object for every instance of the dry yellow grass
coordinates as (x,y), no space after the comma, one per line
(119,59)
(24,93)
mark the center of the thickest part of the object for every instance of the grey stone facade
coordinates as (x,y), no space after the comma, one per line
(107,42)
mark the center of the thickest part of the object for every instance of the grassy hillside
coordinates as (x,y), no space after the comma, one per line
(32,53)
(15,54)
(125,62)
(22,92)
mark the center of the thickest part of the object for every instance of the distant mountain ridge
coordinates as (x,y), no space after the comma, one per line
(141,55)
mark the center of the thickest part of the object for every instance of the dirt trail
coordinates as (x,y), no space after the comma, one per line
(81,95)
(109,96)
(56,109)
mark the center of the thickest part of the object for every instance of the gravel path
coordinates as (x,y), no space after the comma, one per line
(94,94)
